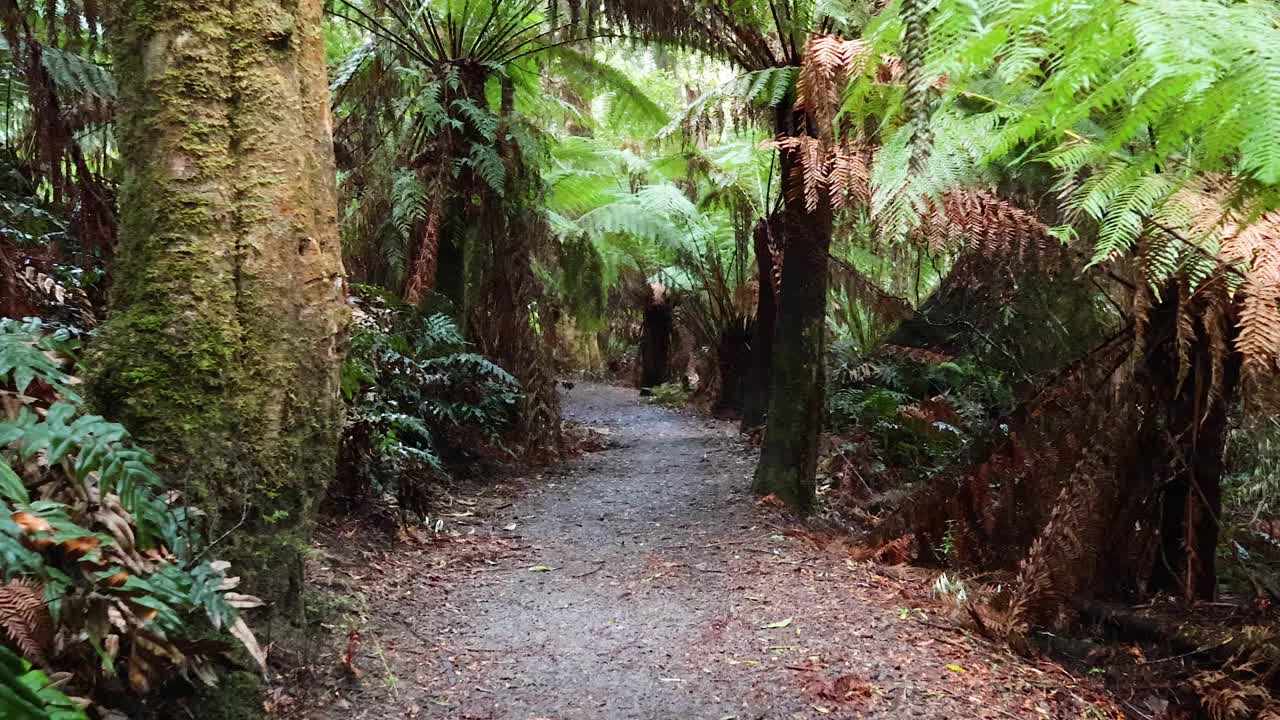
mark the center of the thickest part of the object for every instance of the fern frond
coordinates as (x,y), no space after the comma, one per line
(24,618)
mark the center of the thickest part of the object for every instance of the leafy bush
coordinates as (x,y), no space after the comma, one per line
(672,395)
(915,416)
(100,572)
(30,694)
(416,398)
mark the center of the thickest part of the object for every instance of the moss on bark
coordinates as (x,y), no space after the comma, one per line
(228,318)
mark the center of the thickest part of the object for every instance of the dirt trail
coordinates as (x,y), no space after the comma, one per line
(643,582)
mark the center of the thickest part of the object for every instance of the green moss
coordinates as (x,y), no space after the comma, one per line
(222,348)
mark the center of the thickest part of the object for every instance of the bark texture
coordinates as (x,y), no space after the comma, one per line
(789,458)
(228,319)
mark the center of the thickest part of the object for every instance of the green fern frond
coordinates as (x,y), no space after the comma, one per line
(487,164)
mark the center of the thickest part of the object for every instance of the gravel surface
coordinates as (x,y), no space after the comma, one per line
(643,581)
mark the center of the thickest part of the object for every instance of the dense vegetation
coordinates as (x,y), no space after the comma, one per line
(995,283)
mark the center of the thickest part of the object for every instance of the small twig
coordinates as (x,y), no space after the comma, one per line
(738,542)
(597,569)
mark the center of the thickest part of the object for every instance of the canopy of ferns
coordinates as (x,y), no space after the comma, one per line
(1152,120)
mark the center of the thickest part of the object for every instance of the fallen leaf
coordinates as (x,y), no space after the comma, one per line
(778,625)
(541,568)
(240,630)
(956,668)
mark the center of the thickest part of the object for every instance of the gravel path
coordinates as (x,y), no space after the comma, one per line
(643,582)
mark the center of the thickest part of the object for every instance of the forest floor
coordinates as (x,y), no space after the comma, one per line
(643,581)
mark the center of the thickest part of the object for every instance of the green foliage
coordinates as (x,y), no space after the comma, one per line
(758,91)
(29,694)
(583,275)
(416,399)
(1128,105)
(84,519)
(671,395)
(915,417)
(629,106)
(1253,454)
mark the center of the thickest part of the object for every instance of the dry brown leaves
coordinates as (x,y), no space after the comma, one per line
(24,618)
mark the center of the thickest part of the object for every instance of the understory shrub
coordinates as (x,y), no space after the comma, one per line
(417,403)
(912,416)
(671,395)
(104,587)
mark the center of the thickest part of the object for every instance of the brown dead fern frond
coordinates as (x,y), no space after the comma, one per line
(1255,249)
(426,256)
(1063,561)
(1202,226)
(829,62)
(25,619)
(858,286)
(984,222)
(840,173)
(1226,698)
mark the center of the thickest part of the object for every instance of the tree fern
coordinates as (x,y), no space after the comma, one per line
(751,92)
(630,105)
(410,204)
(1136,105)
(487,164)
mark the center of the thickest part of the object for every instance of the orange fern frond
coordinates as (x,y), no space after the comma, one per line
(981,221)
(25,618)
(840,173)
(829,61)
(422,277)
(1255,249)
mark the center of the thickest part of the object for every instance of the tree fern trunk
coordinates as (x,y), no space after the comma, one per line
(655,344)
(733,358)
(1190,443)
(755,392)
(789,459)
(228,319)
(1155,460)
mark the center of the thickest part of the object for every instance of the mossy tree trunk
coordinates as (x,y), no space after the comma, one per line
(228,319)
(789,459)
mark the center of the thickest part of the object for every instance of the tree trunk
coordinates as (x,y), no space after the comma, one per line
(655,343)
(789,459)
(1190,444)
(755,390)
(733,357)
(506,291)
(1154,462)
(228,319)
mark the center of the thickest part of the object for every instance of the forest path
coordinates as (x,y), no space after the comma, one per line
(643,582)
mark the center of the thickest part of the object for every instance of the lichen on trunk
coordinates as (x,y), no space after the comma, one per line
(228,319)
